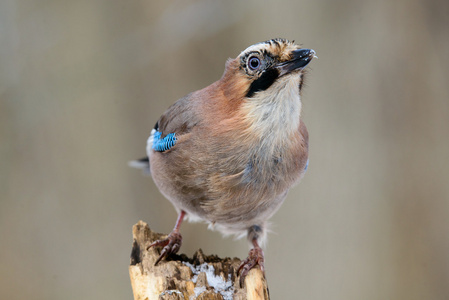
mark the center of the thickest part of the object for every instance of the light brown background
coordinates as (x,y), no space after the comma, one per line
(83,82)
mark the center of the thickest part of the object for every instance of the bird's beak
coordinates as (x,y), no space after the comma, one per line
(298,60)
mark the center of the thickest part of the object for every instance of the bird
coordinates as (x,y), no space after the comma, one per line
(229,153)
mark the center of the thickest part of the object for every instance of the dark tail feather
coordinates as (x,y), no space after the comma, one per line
(143,164)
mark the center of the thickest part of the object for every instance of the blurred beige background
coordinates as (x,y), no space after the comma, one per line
(83,82)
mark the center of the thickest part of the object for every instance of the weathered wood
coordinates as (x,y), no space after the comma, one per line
(180,277)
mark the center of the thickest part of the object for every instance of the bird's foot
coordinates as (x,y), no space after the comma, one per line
(255,257)
(171,245)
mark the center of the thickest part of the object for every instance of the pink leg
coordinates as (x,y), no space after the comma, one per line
(172,243)
(255,257)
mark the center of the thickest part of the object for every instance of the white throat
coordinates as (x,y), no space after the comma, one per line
(274,113)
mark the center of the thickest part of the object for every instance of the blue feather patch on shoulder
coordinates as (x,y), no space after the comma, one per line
(164,144)
(307,165)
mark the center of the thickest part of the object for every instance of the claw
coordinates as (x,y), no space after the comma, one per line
(255,257)
(171,245)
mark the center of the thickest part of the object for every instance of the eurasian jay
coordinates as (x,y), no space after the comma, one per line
(229,153)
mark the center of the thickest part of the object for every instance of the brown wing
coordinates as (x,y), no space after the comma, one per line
(178,118)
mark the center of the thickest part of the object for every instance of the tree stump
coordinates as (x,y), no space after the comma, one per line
(180,277)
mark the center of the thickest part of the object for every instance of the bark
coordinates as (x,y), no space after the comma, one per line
(180,277)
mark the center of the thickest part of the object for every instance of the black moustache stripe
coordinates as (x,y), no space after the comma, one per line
(263,82)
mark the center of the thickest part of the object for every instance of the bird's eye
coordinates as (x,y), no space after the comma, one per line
(254,63)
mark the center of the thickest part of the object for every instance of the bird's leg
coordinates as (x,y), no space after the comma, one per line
(173,242)
(255,255)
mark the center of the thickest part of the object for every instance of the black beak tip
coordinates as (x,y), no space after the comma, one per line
(299,59)
(303,54)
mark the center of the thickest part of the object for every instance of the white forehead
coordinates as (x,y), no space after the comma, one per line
(256,47)
(277,46)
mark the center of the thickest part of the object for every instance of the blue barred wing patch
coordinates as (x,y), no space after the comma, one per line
(163,144)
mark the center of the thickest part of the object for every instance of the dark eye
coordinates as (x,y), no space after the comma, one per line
(254,63)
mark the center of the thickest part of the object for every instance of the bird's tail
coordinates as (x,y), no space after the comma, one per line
(142,164)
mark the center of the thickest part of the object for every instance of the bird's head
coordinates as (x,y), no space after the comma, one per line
(260,89)
(260,66)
